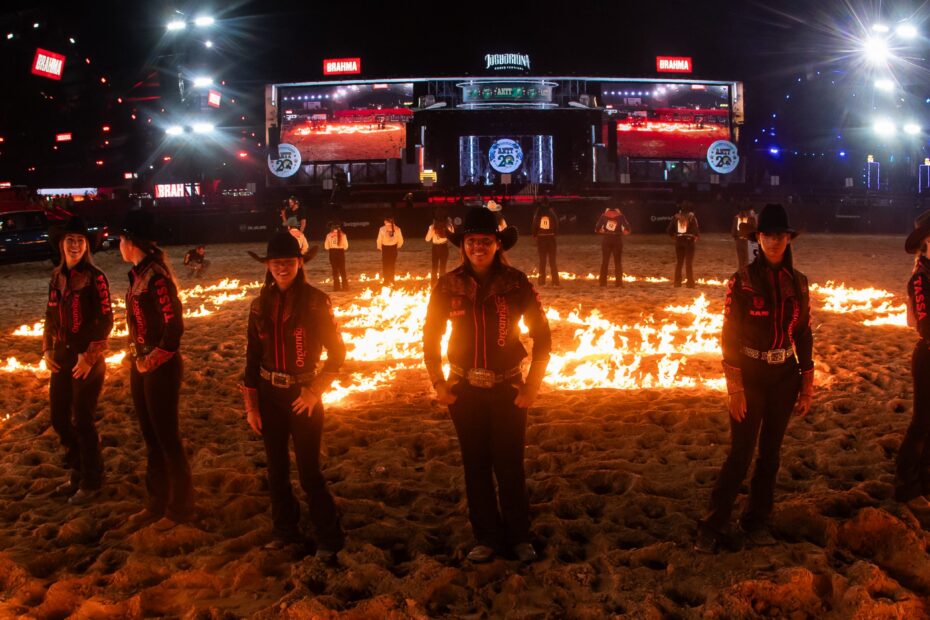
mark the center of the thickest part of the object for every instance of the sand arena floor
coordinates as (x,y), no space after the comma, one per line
(617,477)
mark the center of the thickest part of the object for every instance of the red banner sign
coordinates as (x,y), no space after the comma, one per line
(63,137)
(674,64)
(213,98)
(342,66)
(48,64)
(6,184)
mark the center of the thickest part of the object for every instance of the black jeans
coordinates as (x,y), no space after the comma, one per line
(684,255)
(547,247)
(439,258)
(279,425)
(612,247)
(742,252)
(168,474)
(337,260)
(913,467)
(492,434)
(73,403)
(771,393)
(388,263)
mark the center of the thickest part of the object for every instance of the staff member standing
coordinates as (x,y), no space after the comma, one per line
(290,323)
(545,229)
(613,225)
(438,238)
(685,231)
(912,477)
(337,243)
(744,225)
(767,360)
(78,321)
(485,299)
(390,239)
(155,318)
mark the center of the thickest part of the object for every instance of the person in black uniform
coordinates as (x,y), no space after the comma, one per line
(78,321)
(744,225)
(912,477)
(437,235)
(545,229)
(155,318)
(613,225)
(768,363)
(290,323)
(685,231)
(485,298)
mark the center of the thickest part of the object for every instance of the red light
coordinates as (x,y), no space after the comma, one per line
(133,117)
(166,158)
(2,138)
(103,80)
(119,100)
(127,175)
(87,60)
(63,137)
(106,128)
(99,162)
(243,154)
(106,143)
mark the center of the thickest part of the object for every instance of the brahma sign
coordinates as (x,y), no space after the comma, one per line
(342,66)
(674,64)
(48,64)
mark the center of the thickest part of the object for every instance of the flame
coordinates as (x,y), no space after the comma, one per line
(14,365)
(37,330)
(876,303)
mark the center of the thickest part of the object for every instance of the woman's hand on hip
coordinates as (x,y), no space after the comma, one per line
(305,402)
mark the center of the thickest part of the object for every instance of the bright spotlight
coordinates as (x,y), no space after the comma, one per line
(204,20)
(202,127)
(177,24)
(912,129)
(875,50)
(203,80)
(906,31)
(884,127)
(174,130)
(880,28)
(208,44)
(886,85)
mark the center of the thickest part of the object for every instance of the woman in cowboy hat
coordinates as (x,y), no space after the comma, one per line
(290,323)
(485,299)
(768,363)
(390,239)
(438,238)
(336,243)
(156,324)
(912,478)
(78,321)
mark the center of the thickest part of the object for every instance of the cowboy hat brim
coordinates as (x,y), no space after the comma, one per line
(915,239)
(309,256)
(507,237)
(754,236)
(57,233)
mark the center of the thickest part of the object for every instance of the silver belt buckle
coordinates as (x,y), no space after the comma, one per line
(279,379)
(775,357)
(481,377)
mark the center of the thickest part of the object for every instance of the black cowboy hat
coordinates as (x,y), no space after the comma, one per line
(921,231)
(774,219)
(75,226)
(141,225)
(480,221)
(284,245)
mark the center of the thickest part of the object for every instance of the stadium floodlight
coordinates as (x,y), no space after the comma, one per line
(204,21)
(177,24)
(906,31)
(884,84)
(174,130)
(875,50)
(203,80)
(884,127)
(202,127)
(880,28)
(912,129)
(208,44)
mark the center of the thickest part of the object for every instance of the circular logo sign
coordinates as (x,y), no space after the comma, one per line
(286,163)
(505,156)
(722,157)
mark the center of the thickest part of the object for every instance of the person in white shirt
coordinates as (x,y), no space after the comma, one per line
(498,210)
(390,239)
(438,236)
(337,243)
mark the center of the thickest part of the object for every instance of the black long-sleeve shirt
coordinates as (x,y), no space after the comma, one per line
(78,312)
(611,225)
(485,320)
(545,222)
(767,309)
(153,308)
(917,290)
(288,332)
(688,222)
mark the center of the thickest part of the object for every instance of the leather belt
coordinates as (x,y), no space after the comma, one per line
(775,356)
(483,377)
(282,379)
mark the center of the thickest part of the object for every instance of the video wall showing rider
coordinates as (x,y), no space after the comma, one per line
(347,122)
(667,121)
(527,159)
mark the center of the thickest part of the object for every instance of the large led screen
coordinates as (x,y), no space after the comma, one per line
(527,159)
(667,120)
(347,122)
